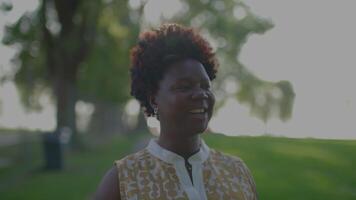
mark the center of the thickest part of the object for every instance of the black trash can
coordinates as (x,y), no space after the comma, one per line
(52,151)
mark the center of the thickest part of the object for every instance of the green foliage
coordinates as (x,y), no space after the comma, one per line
(268,99)
(6,6)
(103,73)
(103,76)
(31,77)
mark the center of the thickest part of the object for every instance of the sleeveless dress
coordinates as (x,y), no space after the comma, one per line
(156,173)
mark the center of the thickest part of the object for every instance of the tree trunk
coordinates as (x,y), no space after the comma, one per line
(65,92)
(107,120)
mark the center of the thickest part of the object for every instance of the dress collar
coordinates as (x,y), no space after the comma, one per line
(168,156)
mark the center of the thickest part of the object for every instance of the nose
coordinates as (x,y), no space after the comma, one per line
(199,94)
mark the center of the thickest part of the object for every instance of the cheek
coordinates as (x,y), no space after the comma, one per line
(175,104)
(179,102)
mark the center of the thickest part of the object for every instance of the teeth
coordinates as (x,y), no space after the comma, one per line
(197,111)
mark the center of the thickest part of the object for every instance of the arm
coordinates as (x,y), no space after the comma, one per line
(108,188)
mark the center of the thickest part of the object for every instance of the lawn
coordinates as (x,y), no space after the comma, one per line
(283,168)
(82,172)
(296,169)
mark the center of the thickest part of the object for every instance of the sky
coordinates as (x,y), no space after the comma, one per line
(312,45)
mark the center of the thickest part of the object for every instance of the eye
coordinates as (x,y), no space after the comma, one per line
(184,86)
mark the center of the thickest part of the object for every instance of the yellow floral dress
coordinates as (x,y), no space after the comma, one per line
(156,173)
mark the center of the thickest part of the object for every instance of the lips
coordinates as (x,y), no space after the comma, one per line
(198,111)
(198,115)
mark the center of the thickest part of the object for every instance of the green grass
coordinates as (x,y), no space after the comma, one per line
(79,179)
(292,169)
(295,169)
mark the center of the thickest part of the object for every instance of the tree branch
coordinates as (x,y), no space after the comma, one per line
(47,37)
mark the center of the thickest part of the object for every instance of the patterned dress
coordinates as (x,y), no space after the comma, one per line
(156,173)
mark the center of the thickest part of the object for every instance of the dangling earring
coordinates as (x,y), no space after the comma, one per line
(155,110)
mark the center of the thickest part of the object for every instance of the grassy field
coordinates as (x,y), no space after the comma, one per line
(296,169)
(292,169)
(83,171)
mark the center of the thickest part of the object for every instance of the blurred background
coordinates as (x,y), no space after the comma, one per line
(286,102)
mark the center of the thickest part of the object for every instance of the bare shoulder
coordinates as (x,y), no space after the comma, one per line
(108,188)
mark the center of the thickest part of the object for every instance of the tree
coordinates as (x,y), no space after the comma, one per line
(54,41)
(80,50)
(76,50)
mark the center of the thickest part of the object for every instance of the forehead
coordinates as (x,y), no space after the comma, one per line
(186,69)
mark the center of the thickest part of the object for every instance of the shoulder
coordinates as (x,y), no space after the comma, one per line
(109,186)
(230,162)
(218,156)
(237,167)
(133,160)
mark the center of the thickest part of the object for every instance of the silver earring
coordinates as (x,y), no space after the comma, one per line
(155,110)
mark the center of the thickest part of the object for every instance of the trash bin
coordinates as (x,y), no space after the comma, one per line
(52,151)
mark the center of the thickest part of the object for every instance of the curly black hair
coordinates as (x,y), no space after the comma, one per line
(159,48)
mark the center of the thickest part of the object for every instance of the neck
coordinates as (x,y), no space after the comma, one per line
(183,146)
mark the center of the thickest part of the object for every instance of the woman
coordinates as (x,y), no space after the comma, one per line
(172,67)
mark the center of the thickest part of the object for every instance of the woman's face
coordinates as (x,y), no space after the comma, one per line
(184,98)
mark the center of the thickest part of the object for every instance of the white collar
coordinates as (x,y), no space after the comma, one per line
(196,191)
(168,156)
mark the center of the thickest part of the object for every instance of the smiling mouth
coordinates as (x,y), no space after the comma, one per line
(198,111)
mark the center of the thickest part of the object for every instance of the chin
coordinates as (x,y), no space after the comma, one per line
(199,129)
(195,127)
